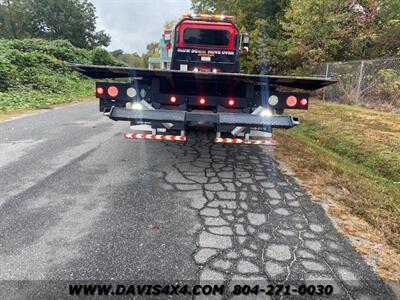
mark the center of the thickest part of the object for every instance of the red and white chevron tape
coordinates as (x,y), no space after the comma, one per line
(162,137)
(242,141)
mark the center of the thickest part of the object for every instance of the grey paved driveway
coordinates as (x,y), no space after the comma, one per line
(78,202)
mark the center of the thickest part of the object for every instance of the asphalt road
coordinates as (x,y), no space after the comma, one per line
(78,202)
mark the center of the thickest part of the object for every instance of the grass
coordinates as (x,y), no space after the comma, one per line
(22,99)
(354,153)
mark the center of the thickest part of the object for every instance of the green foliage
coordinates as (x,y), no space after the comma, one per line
(35,72)
(8,73)
(130,59)
(388,89)
(72,20)
(327,35)
(33,99)
(100,56)
(387,41)
(211,6)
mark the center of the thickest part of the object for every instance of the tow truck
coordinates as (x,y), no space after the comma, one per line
(202,88)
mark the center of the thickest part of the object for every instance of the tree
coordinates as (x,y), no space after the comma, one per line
(153,50)
(73,20)
(211,6)
(387,38)
(318,30)
(246,12)
(337,30)
(130,59)
(169,25)
(14,18)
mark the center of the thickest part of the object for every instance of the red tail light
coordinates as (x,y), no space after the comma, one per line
(100,91)
(291,101)
(202,101)
(112,91)
(172,99)
(303,102)
(231,102)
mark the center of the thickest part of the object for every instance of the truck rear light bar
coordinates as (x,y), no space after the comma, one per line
(206,17)
(118,94)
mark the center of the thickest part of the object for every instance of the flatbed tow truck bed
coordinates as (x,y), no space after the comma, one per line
(234,104)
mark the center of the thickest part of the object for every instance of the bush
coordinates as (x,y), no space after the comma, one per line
(102,57)
(33,70)
(7,75)
(389,86)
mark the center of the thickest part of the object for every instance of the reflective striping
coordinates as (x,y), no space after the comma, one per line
(164,137)
(242,141)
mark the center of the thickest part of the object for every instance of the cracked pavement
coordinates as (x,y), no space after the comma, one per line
(81,203)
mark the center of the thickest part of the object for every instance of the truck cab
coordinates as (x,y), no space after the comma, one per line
(204,43)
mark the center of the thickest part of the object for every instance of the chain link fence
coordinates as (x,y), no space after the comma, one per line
(372,83)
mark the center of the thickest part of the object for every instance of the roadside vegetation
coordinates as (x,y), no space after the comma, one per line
(353,155)
(38,39)
(34,73)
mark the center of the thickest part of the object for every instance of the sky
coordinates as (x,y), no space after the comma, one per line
(133,24)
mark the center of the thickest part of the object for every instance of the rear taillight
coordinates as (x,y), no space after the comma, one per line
(202,101)
(273,100)
(231,102)
(303,102)
(291,101)
(100,91)
(112,91)
(131,92)
(172,99)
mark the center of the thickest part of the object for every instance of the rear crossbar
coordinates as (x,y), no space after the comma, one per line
(182,117)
